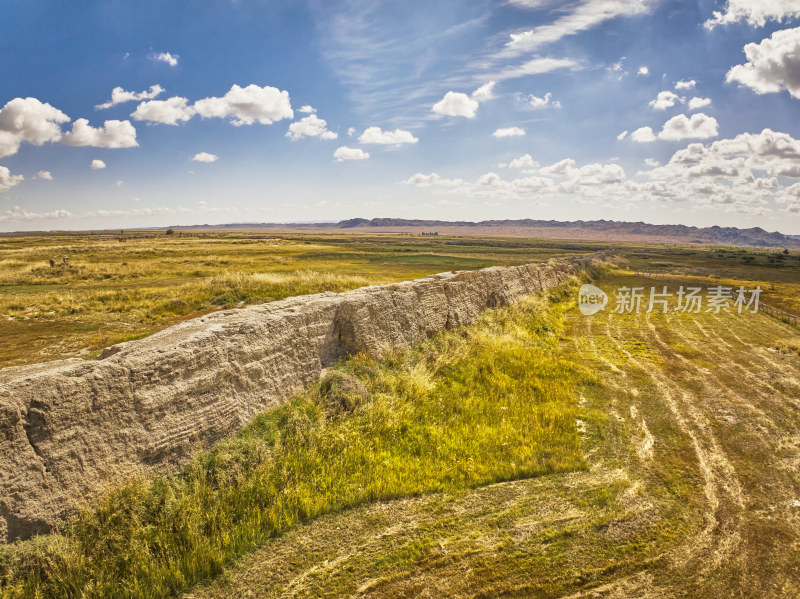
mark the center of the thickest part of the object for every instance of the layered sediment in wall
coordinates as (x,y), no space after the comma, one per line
(69,427)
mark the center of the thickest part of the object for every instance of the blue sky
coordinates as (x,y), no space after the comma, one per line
(129,114)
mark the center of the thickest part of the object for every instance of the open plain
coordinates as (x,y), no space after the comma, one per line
(536,452)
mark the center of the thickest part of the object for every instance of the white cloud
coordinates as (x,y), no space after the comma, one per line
(490,180)
(306,109)
(696,103)
(509,132)
(599,174)
(246,105)
(622,135)
(351,131)
(119,183)
(666,99)
(536,66)
(643,135)
(734,175)
(772,65)
(168,112)
(643,70)
(97,164)
(119,95)
(524,161)
(583,16)
(562,167)
(28,119)
(651,162)
(374,135)
(20,214)
(310,126)
(113,134)
(170,59)
(537,103)
(422,180)
(686,84)
(205,157)
(484,92)
(790,197)
(755,12)
(456,104)
(345,153)
(699,126)
(46,175)
(7,180)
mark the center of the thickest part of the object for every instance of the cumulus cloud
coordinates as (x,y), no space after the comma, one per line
(547,101)
(7,180)
(754,12)
(456,104)
(683,84)
(310,126)
(97,164)
(205,157)
(113,134)
(168,112)
(643,70)
(119,95)
(738,174)
(345,153)
(166,57)
(696,103)
(562,167)
(622,135)
(509,132)
(524,161)
(18,213)
(28,119)
(484,92)
(422,180)
(666,99)
(306,109)
(246,105)
(598,174)
(699,126)
(375,135)
(643,135)
(772,65)
(46,175)
(651,162)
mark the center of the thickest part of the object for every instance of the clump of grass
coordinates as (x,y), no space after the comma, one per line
(343,393)
(491,403)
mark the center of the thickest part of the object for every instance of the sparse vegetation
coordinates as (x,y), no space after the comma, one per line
(538,453)
(457,412)
(117,291)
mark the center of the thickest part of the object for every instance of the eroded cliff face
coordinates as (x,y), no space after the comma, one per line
(68,428)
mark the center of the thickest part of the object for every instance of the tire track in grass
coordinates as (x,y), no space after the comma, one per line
(716,542)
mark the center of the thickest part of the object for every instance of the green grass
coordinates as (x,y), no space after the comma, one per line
(494,402)
(119,290)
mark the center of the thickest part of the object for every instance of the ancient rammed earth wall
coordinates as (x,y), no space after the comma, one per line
(71,426)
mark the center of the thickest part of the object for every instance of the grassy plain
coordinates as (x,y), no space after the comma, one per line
(116,290)
(538,453)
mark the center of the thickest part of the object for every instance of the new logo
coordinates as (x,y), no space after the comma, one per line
(591,299)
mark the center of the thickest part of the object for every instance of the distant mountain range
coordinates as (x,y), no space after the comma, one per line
(596,230)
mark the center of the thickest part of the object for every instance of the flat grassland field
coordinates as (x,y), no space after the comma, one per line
(127,286)
(538,452)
